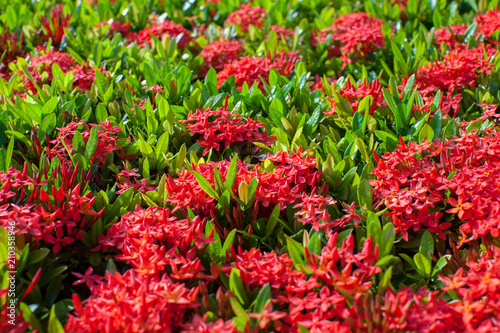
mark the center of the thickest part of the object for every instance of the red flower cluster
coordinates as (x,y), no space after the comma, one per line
(246,69)
(413,181)
(293,174)
(451,35)
(221,127)
(153,239)
(487,24)
(284,62)
(56,215)
(40,68)
(281,32)
(460,69)
(409,183)
(354,37)
(355,94)
(219,53)
(105,145)
(125,174)
(252,69)
(54,28)
(133,303)
(475,310)
(166,27)
(246,16)
(157,29)
(313,301)
(121,28)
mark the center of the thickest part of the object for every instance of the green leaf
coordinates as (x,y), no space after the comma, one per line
(211,81)
(426,133)
(388,236)
(423,265)
(384,282)
(231,174)
(373,227)
(313,120)
(47,126)
(227,243)
(252,188)
(162,146)
(410,84)
(146,149)
(54,324)
(436,124)
(23,259)
(37,256)
(273,220)
(263,297)
(426,245)
(441,263)
(296,251)
(409,260)
(92,143)
(399,61)
(365,196)
(49,107)
(236,286)
(122,201)
(276,112)
(205,185)
(238,310)
(8,155)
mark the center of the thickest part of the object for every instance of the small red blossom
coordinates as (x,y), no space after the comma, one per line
(460,69)
(219,53)
(246,16)
(40,68)
(221,127)
(354,37)
(281,32)
(166,27)
(246,69)
(355,94)
(133,303)
(106,140)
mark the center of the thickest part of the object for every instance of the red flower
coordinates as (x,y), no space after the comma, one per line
(460,69)
(281,32)
(284,62)
(123,29)
(166,27)
(40,68)
(246,69)
(488,23)
(451,35)
(253,69)
(219,53)
(246,16)
(132,303)
(221,127)
(106,140)
(355,94)
(354,37)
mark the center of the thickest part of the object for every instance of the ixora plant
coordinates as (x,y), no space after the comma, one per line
(249,166)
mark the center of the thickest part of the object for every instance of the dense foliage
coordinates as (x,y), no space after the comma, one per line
(218,166)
